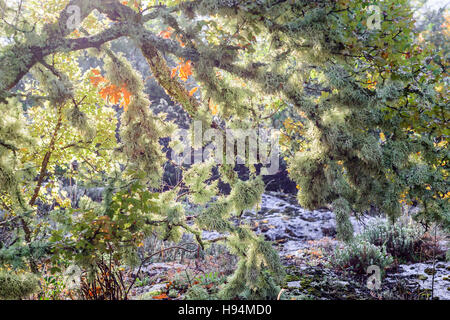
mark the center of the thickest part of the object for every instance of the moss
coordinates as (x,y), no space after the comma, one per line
(149,295)
(290,278)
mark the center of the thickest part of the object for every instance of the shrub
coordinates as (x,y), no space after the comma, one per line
(16,287)
(358,255)
(404,241)
(197,292)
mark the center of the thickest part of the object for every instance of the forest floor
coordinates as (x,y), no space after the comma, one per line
(305,241)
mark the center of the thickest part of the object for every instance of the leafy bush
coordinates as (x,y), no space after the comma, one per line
(15,287)
(404,241)
(197,292)
(358,255)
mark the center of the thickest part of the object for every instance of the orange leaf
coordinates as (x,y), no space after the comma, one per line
(213,108)
(174,71)
(166,34)
(104,93)
(96,80)
(180,41)
(191,93)
(209,286)
(161,296)
(185,70)
(126,98)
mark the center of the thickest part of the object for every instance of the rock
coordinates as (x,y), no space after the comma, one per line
(430,271)
(418,277)
(157,287)
(329,232)
(294,284)
(342,283)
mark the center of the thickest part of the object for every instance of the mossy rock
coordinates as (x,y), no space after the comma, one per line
(291,277)
(149,295)
(430,271)
(422,277)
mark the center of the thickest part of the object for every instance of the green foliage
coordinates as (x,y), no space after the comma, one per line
(113,230)
(405,242)
(358,255)
(53,287)
(246,195)
(344,226)
(15,287)
(197,292)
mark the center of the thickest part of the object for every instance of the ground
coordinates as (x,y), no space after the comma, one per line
(305,240)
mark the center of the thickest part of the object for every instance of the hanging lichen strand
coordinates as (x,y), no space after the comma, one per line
(13,137)
(259,271)
(139,132)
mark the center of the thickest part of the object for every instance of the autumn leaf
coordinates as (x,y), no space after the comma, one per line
(96,80)
(178,37)
(213,108)
(166,34)
(191,93)
(126,98)
(76,33)
(112,93)
(209,286)
(185,70)
(174,72)
(161,297)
